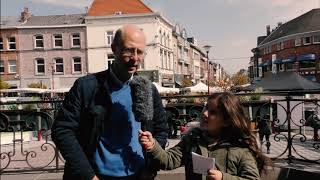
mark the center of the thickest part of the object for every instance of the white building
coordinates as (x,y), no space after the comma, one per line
(105,17)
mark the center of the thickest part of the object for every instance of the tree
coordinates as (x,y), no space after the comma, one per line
(224,83)
(4,85)
(186,82)
(37,85)
(240,78)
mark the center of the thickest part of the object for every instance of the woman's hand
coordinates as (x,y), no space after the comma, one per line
(214,175)
(146,140)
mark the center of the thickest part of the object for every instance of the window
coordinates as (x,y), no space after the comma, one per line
(40,68)
(307,64)
(278,47)
(165,60)
(111,58)
(169,61)
(109,37)
(1,67)
(77,68)
(58,66)
(298,42)
(289,66)
(1,44)
(281,45)
(168,41)
(197,70)
(75,40)
(161,58)
(12,43)
(38,41)
(12,66)
(307,40)
(316,39)
(196,56)
(57,40)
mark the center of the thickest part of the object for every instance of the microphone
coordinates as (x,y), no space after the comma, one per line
(141,89)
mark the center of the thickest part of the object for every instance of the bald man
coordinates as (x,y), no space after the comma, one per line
(98,126)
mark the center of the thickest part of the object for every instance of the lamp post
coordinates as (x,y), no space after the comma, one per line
(207,48)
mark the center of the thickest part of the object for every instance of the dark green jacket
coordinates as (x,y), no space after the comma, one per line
(233,161)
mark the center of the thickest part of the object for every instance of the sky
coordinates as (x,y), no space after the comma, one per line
(231,27)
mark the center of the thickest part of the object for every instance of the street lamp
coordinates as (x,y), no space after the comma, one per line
(207,48)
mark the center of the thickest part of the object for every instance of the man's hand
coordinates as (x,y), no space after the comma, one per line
(214,175)
(146,140)
(95,178)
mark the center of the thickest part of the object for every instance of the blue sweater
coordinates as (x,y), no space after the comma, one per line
(119,152)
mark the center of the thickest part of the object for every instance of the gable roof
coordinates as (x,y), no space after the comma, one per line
(55,20)
(307,22)
(111,7)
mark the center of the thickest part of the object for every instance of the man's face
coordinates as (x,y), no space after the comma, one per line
(130,54)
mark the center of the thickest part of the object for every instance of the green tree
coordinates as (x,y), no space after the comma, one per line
(4,85)
(37,85)
(186,82)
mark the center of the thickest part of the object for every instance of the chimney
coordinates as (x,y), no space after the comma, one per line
(279,24)
(268,30)
(25,15)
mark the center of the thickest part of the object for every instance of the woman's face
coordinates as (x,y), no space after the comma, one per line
(212,120)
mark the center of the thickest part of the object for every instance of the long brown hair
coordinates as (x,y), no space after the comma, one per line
(233,113)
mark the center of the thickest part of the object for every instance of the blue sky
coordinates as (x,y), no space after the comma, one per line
(229,26)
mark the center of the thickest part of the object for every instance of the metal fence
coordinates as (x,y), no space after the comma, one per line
(293,123)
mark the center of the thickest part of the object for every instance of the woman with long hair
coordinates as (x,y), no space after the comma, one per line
(224,134)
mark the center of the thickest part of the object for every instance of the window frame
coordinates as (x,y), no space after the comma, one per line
(10,65)
(304,40)
(57,39)
(107,36)
(73,38)
(76,63)
(56,64)
(37,64)
(35,41)
(2,66)
(316,42)
(10,43)
(2,44)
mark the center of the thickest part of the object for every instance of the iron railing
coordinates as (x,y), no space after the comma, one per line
(26,144)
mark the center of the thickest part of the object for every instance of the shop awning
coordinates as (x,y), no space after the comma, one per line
(277,61)
(307,57)
(289,59)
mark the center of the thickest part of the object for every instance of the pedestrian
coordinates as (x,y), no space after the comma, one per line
(96,130)
(224,134)
(264,126)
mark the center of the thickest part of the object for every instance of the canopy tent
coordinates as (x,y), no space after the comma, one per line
(163,90)
(284,81)
(202,88)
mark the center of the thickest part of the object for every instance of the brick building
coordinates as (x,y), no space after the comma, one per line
(292,46)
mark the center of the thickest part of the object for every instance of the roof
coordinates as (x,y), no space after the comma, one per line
(9,21)
(285,81)
(305,23)
(55,20)
(111,7)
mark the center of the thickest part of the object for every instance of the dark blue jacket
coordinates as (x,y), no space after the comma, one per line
(81,121)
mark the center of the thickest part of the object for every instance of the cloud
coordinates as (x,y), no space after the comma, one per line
(65,3)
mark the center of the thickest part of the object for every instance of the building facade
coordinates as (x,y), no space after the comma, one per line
(9,51)
(103,22)
(293,46)
(52,50)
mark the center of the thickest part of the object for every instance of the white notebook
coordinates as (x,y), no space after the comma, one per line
(202,164)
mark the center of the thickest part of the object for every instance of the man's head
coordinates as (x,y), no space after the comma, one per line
(128,47)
